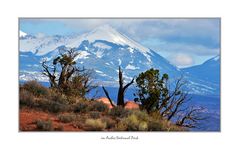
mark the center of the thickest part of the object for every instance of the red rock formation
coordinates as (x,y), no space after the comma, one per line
(128,104)
(105,101)
(131,105)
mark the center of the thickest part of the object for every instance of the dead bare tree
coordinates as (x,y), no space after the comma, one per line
(172,106)
(171,103)
(191,117)
(121,91)
(122,88)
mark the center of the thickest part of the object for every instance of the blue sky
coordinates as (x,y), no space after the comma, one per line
(184,42)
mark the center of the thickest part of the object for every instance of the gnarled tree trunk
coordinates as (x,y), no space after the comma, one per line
(121,91)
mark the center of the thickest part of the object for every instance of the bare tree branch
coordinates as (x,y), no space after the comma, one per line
(106,93)
(46,72)
(190,118)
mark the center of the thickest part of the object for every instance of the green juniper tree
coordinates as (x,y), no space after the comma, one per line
(155,95)
(152,90)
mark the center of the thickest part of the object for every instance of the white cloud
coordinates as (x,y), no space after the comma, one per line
(181,60)
(193,49)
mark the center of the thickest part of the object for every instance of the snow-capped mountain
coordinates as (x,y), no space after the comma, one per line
(103,50)
(107,33)
(208,71)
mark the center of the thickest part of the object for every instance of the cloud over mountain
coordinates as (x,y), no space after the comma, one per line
(200,37)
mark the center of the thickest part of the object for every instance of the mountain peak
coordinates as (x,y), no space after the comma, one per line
(108,33)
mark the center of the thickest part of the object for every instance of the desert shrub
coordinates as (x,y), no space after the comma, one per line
(110,122)
(143,126)
(26,98)
(155,115)
(58,97)
(136,121)
(85,106)
(169,126)
(142,121)
(98,106)
(71,99)
(141,115)
(55,102)
(94,114)
(67,118)
(120,127)
(157,123)
(51,105)
(81,108)
(43,125)
(132,123)
(119,112)
(95,125)
(154,125)
(35,88)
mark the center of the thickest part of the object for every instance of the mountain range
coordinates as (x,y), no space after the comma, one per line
(103,50)
(208,71)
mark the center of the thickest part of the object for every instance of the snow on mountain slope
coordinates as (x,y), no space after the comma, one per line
(103,50)
(43,45)
(109,34)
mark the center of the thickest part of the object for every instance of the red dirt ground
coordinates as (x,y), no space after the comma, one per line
(28,118)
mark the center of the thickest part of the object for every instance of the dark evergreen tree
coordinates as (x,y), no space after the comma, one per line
(155,95)
(152,90)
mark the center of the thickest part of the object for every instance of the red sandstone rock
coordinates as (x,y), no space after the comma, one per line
(105,101)
(131,105)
